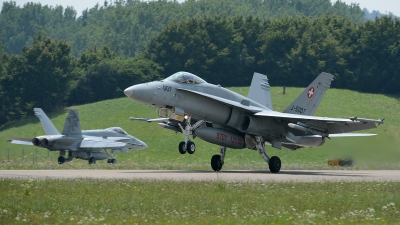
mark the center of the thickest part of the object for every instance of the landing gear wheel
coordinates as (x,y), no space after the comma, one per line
(191,147)
(182,148)
(216,163)
(61,160)
(274,164)
(113,161)
(92,160)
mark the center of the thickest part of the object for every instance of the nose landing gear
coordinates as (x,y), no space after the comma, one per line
(187,145)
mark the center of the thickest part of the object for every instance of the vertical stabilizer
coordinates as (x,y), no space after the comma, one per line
(259,90)
(48,126)
(309,100)
(72,126)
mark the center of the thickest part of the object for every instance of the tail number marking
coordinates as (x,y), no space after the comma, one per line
(298,109)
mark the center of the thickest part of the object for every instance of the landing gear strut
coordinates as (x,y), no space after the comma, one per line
(217,161)
(112,159)
(274,162)
(187,145)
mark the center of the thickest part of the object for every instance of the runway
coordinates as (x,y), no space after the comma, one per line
(199,175)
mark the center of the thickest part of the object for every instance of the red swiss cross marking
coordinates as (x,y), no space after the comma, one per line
(310,92)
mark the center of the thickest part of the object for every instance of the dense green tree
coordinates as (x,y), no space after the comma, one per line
(100,74)
(127,26)
(38,78)
(377,56)
(3,73)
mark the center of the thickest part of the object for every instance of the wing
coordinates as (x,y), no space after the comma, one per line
(150,120)
(101,144)
(20,141)
(321,125)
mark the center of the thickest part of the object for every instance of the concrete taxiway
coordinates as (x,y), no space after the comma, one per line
(234,175)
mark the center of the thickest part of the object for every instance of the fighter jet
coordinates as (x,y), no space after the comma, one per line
(83,144)
(190,105)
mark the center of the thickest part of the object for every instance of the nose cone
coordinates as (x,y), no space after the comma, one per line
(140,92)
(142,145)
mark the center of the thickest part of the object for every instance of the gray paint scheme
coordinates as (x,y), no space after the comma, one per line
(84,144)
(231,115)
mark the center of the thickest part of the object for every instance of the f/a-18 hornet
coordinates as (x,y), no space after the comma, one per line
(190,105)
(83,144)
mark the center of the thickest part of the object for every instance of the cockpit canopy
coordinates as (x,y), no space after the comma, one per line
(118,130)
(185,78)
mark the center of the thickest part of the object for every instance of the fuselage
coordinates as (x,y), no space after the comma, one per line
(186,93)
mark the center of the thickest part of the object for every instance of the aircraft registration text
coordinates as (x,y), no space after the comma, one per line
(298,109)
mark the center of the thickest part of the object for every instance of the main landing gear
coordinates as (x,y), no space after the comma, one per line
(274,163)
(187,145)
(217,161)
(112,159)
(62,159)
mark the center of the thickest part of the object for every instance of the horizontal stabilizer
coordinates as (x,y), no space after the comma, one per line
(20,141)
(101,143)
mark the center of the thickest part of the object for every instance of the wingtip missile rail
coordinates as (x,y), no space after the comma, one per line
(365,120)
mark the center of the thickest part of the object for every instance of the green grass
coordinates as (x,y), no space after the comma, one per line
(91,201)
(378,152)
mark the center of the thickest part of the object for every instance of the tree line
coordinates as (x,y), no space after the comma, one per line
(125,26)
(220,49)
(291,51)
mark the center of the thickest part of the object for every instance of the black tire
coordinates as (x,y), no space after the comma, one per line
(274,164)
(61,160)
(113,161)
(216,163)
(108,160)
(191,147)
(182,149)
(92,160)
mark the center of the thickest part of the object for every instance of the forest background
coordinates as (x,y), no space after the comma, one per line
(50,58)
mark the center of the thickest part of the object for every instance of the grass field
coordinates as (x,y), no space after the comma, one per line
(378,152)
(90,201)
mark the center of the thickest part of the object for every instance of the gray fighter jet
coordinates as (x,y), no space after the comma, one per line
(83,144)
(190,105)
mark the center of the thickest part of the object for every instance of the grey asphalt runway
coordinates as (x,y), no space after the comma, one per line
(234,175)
